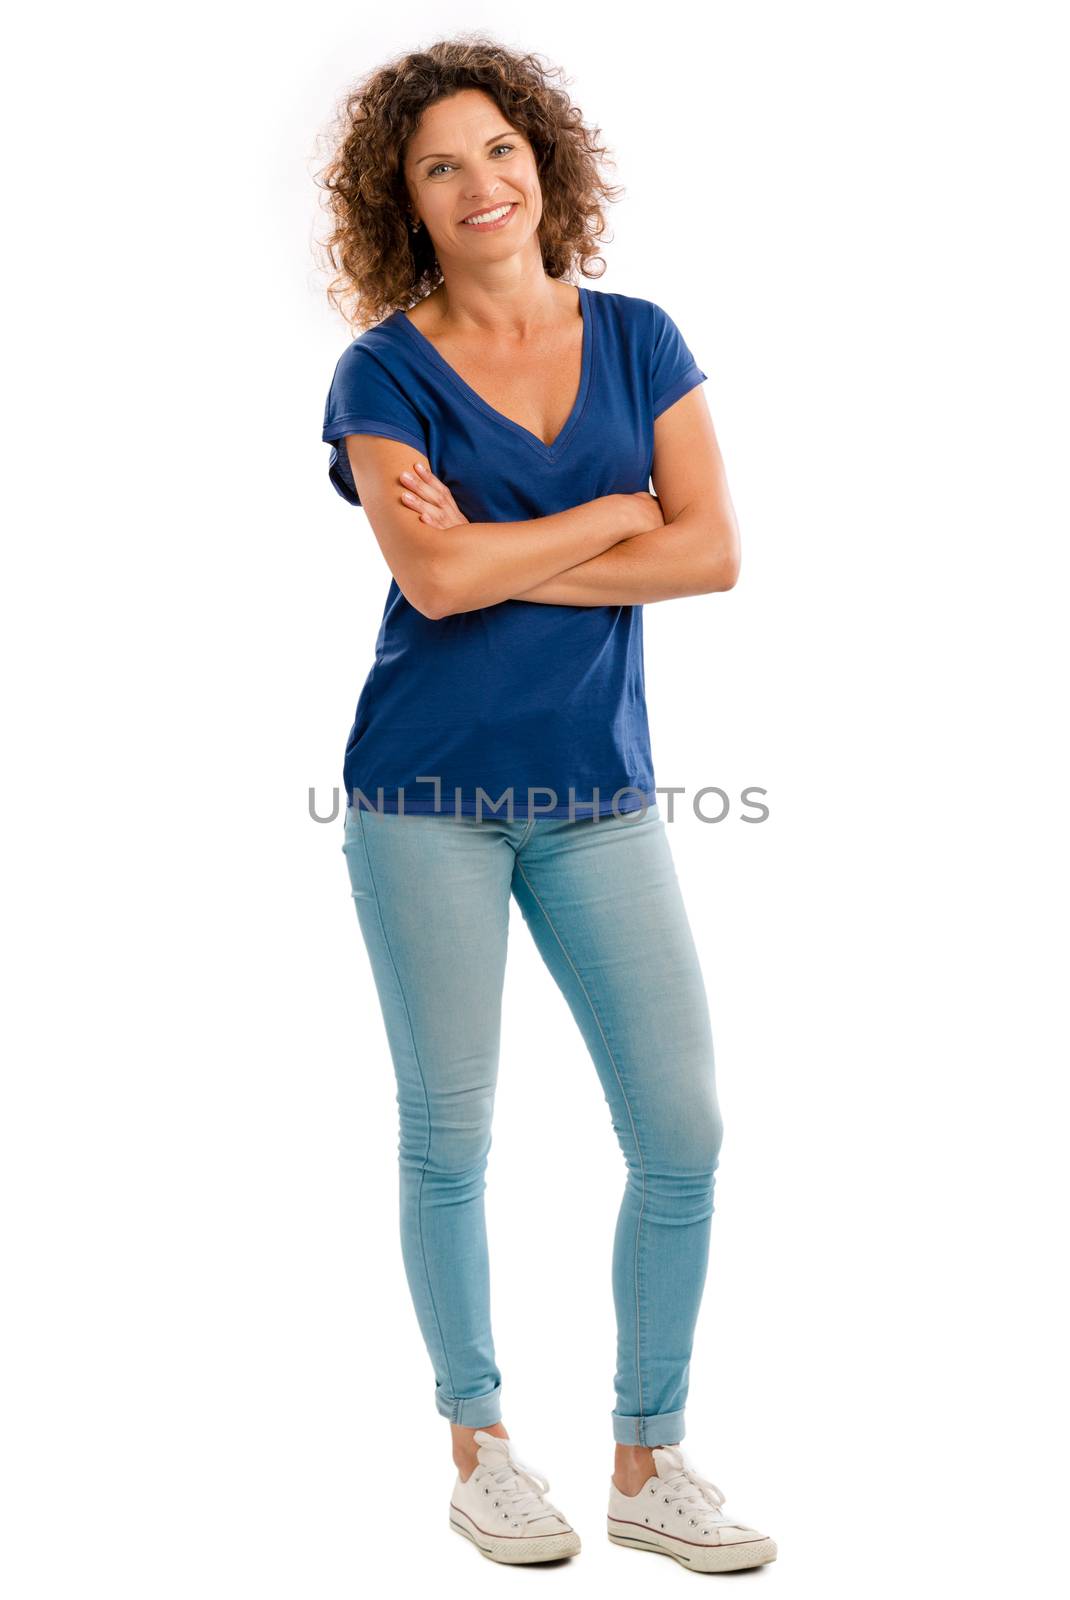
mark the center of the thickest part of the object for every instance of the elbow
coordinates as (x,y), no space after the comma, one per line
(432,593)
(437,602)
(421,595)
(432,605)
(722,571)
(719,574)
(425,600)
(444,597)
(712,559)
(727,575)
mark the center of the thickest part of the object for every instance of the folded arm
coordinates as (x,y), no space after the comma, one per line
(618,549)
(696,552)
(444,564)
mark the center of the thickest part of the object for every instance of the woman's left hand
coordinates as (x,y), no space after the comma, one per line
(428,495)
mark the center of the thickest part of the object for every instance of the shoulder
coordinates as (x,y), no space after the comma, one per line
(627,309)
(372,389)
(375,363)
(650,342)
(632,317)
(377,346)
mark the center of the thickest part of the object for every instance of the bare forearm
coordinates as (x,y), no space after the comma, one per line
(480,563)
(682,558)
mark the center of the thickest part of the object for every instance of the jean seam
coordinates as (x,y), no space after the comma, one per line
(635,1136)
(427,1104)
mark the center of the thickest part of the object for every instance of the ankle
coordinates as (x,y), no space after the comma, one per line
(630,1483)
(465,1449)
(633,1466)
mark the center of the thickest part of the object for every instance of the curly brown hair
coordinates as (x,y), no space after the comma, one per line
(380,265)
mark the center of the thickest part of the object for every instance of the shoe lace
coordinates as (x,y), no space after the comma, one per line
(703,1497)
(520,1487)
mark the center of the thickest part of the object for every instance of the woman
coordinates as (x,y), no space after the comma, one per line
(500,426)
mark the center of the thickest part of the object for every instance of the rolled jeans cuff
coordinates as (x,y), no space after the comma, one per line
(664,1428)
(471,1411)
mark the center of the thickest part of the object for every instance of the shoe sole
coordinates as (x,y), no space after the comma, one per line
(702,1558)
(517,1552)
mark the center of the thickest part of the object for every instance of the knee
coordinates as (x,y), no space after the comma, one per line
(689,1120)
(701,1139)
(714,1137)
(678,1163)
(449,1139)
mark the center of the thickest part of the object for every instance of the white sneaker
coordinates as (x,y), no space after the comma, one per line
(501,1507)
(679,1514)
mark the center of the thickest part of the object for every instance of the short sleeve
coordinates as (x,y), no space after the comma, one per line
(673,368)
(365,397)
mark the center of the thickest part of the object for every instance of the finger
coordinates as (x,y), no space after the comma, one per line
(427,477)
(433,492)
(422,495)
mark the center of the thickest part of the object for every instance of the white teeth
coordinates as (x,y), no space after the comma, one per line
(489,216)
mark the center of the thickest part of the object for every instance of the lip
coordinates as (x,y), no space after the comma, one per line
(489,227)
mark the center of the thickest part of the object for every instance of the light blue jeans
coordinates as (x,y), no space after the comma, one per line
(603,903)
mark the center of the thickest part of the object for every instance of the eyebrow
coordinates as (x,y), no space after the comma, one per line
(448,155)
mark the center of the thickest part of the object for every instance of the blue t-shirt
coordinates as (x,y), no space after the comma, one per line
(543,705)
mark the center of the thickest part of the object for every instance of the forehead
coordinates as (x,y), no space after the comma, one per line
(464,117)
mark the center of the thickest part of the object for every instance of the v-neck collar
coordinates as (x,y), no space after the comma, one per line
(549,452)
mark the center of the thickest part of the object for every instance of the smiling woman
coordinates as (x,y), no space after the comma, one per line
(500,425)
(382,243)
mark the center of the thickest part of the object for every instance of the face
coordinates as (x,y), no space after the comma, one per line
(464,159)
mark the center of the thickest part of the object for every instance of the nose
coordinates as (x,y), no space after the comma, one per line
(483,186)
(487,196)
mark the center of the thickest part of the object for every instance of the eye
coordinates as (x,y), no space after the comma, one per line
(441,164)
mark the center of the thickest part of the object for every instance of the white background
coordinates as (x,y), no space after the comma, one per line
(213,1380)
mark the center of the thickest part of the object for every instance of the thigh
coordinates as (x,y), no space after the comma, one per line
(432,898)
(604,905)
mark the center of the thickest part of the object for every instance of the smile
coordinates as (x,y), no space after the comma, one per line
(484,221)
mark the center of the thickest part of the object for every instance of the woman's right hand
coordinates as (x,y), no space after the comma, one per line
(429,497)
(647,511)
